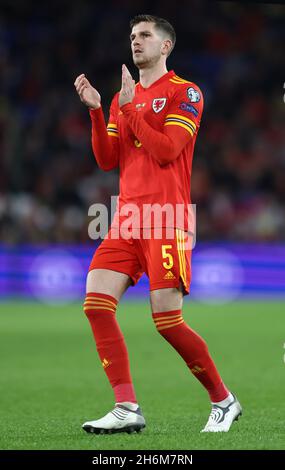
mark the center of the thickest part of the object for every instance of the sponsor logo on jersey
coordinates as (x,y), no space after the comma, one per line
(140,105)
(158,104)
(193,95)
(188,107)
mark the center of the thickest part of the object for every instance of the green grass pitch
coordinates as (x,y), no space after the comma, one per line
(51,380)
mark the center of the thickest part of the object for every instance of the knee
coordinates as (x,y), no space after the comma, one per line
(166,300)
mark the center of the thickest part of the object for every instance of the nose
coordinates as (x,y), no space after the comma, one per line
(136,42)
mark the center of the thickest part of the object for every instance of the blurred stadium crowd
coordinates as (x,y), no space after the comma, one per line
(48,177)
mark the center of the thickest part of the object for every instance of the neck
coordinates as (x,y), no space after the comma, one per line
(149,75)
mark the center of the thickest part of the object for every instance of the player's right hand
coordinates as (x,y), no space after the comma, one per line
(87,93)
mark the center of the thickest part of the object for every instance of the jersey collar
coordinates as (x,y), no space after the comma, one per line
(166,76)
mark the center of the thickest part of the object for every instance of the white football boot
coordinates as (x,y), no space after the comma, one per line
(120,419)
(221,418)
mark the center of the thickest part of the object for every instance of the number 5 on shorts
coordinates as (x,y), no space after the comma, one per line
(169,263)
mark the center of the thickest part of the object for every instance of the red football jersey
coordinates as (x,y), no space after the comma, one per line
(152,141)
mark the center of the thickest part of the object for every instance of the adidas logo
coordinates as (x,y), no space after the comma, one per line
(197,370)
(169,275)
(106,363)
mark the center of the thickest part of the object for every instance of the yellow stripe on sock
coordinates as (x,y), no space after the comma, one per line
(170,326)
(99,300)
(169,322)
(93,302)
(169,318)
(99,304)
(98,308)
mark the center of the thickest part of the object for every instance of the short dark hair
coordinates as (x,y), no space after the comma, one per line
(160,23)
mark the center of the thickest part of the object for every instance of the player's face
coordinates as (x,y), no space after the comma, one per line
(147,44)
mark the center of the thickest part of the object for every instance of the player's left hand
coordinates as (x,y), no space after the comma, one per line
(127,92)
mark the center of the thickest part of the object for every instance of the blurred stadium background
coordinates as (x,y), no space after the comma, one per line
(48,180)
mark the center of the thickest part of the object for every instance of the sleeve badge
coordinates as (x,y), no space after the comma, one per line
(193,95)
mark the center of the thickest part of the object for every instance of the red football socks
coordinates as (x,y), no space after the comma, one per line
(193,349)
(101,310)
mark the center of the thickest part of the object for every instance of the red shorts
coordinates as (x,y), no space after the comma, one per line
(166,261)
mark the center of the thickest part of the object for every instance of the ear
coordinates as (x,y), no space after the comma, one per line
(166,47)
